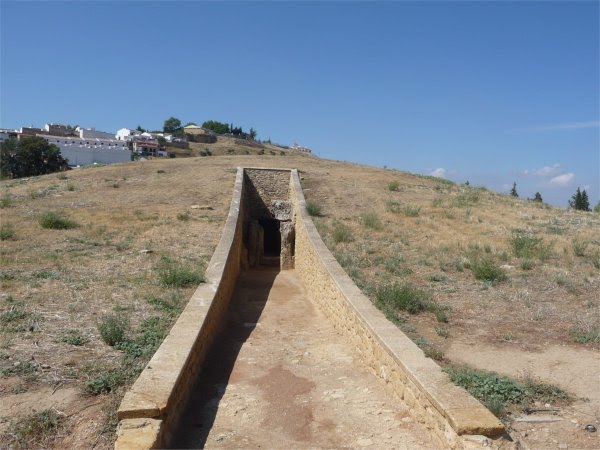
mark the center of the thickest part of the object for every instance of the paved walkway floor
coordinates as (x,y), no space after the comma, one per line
(280,376)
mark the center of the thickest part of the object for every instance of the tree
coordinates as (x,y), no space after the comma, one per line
(140,129)
(538,197)
(252,133)
(171,124)
(217,127)
(513,191)
(30,156)
(580,201)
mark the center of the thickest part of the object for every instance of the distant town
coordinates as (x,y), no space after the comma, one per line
(84,146)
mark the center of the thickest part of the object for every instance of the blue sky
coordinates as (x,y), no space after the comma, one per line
(490,92)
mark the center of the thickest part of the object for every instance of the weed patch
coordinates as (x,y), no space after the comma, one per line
(6,201)
(526,245)
(174,274)
(411,211)
(341,233)
(499,392)
(109,381)
(73,337)
(371,220)
(405,298)
(7,231)
(314,209)
(56,221)
(36,430)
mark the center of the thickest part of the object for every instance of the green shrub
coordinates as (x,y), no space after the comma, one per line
(313,209)
(393,186)
(113,329)
(7,231)
(174,274)
(404,297)
(371,220)
(56,221)
(341,233)
(486,269)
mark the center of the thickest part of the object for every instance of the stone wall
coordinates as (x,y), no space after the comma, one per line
(452,415)
(153,405)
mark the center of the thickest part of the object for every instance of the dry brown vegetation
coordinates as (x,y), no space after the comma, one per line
(58,285)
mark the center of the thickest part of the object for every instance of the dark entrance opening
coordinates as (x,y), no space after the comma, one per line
(272,237)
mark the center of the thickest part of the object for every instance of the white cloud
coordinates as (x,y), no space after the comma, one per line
(563,180)
(546,171)
(563,126)
(440,172)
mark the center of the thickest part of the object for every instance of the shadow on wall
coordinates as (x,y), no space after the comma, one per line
(248,301)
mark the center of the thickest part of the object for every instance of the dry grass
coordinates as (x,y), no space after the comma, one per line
(57,285)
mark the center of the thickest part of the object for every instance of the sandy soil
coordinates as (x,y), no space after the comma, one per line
(294,384)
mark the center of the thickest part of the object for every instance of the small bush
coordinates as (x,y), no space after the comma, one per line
(56,221)
(313,209)
(371,220)
(393,186)
(174,274)
(113,329)
(7,231)
(404,297)
(341,233)
(487,270)
(527,264)
(73,337)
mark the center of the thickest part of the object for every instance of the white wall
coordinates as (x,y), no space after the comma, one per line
(82,152)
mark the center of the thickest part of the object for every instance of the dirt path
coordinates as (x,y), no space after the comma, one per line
(575,370)
(280,377)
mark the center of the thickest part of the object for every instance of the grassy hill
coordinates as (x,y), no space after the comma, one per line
(126,245)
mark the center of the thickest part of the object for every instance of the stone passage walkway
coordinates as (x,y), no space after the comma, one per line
(280,377)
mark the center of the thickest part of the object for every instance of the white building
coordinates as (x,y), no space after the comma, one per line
(126,134)
(82,152)
(92,133)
